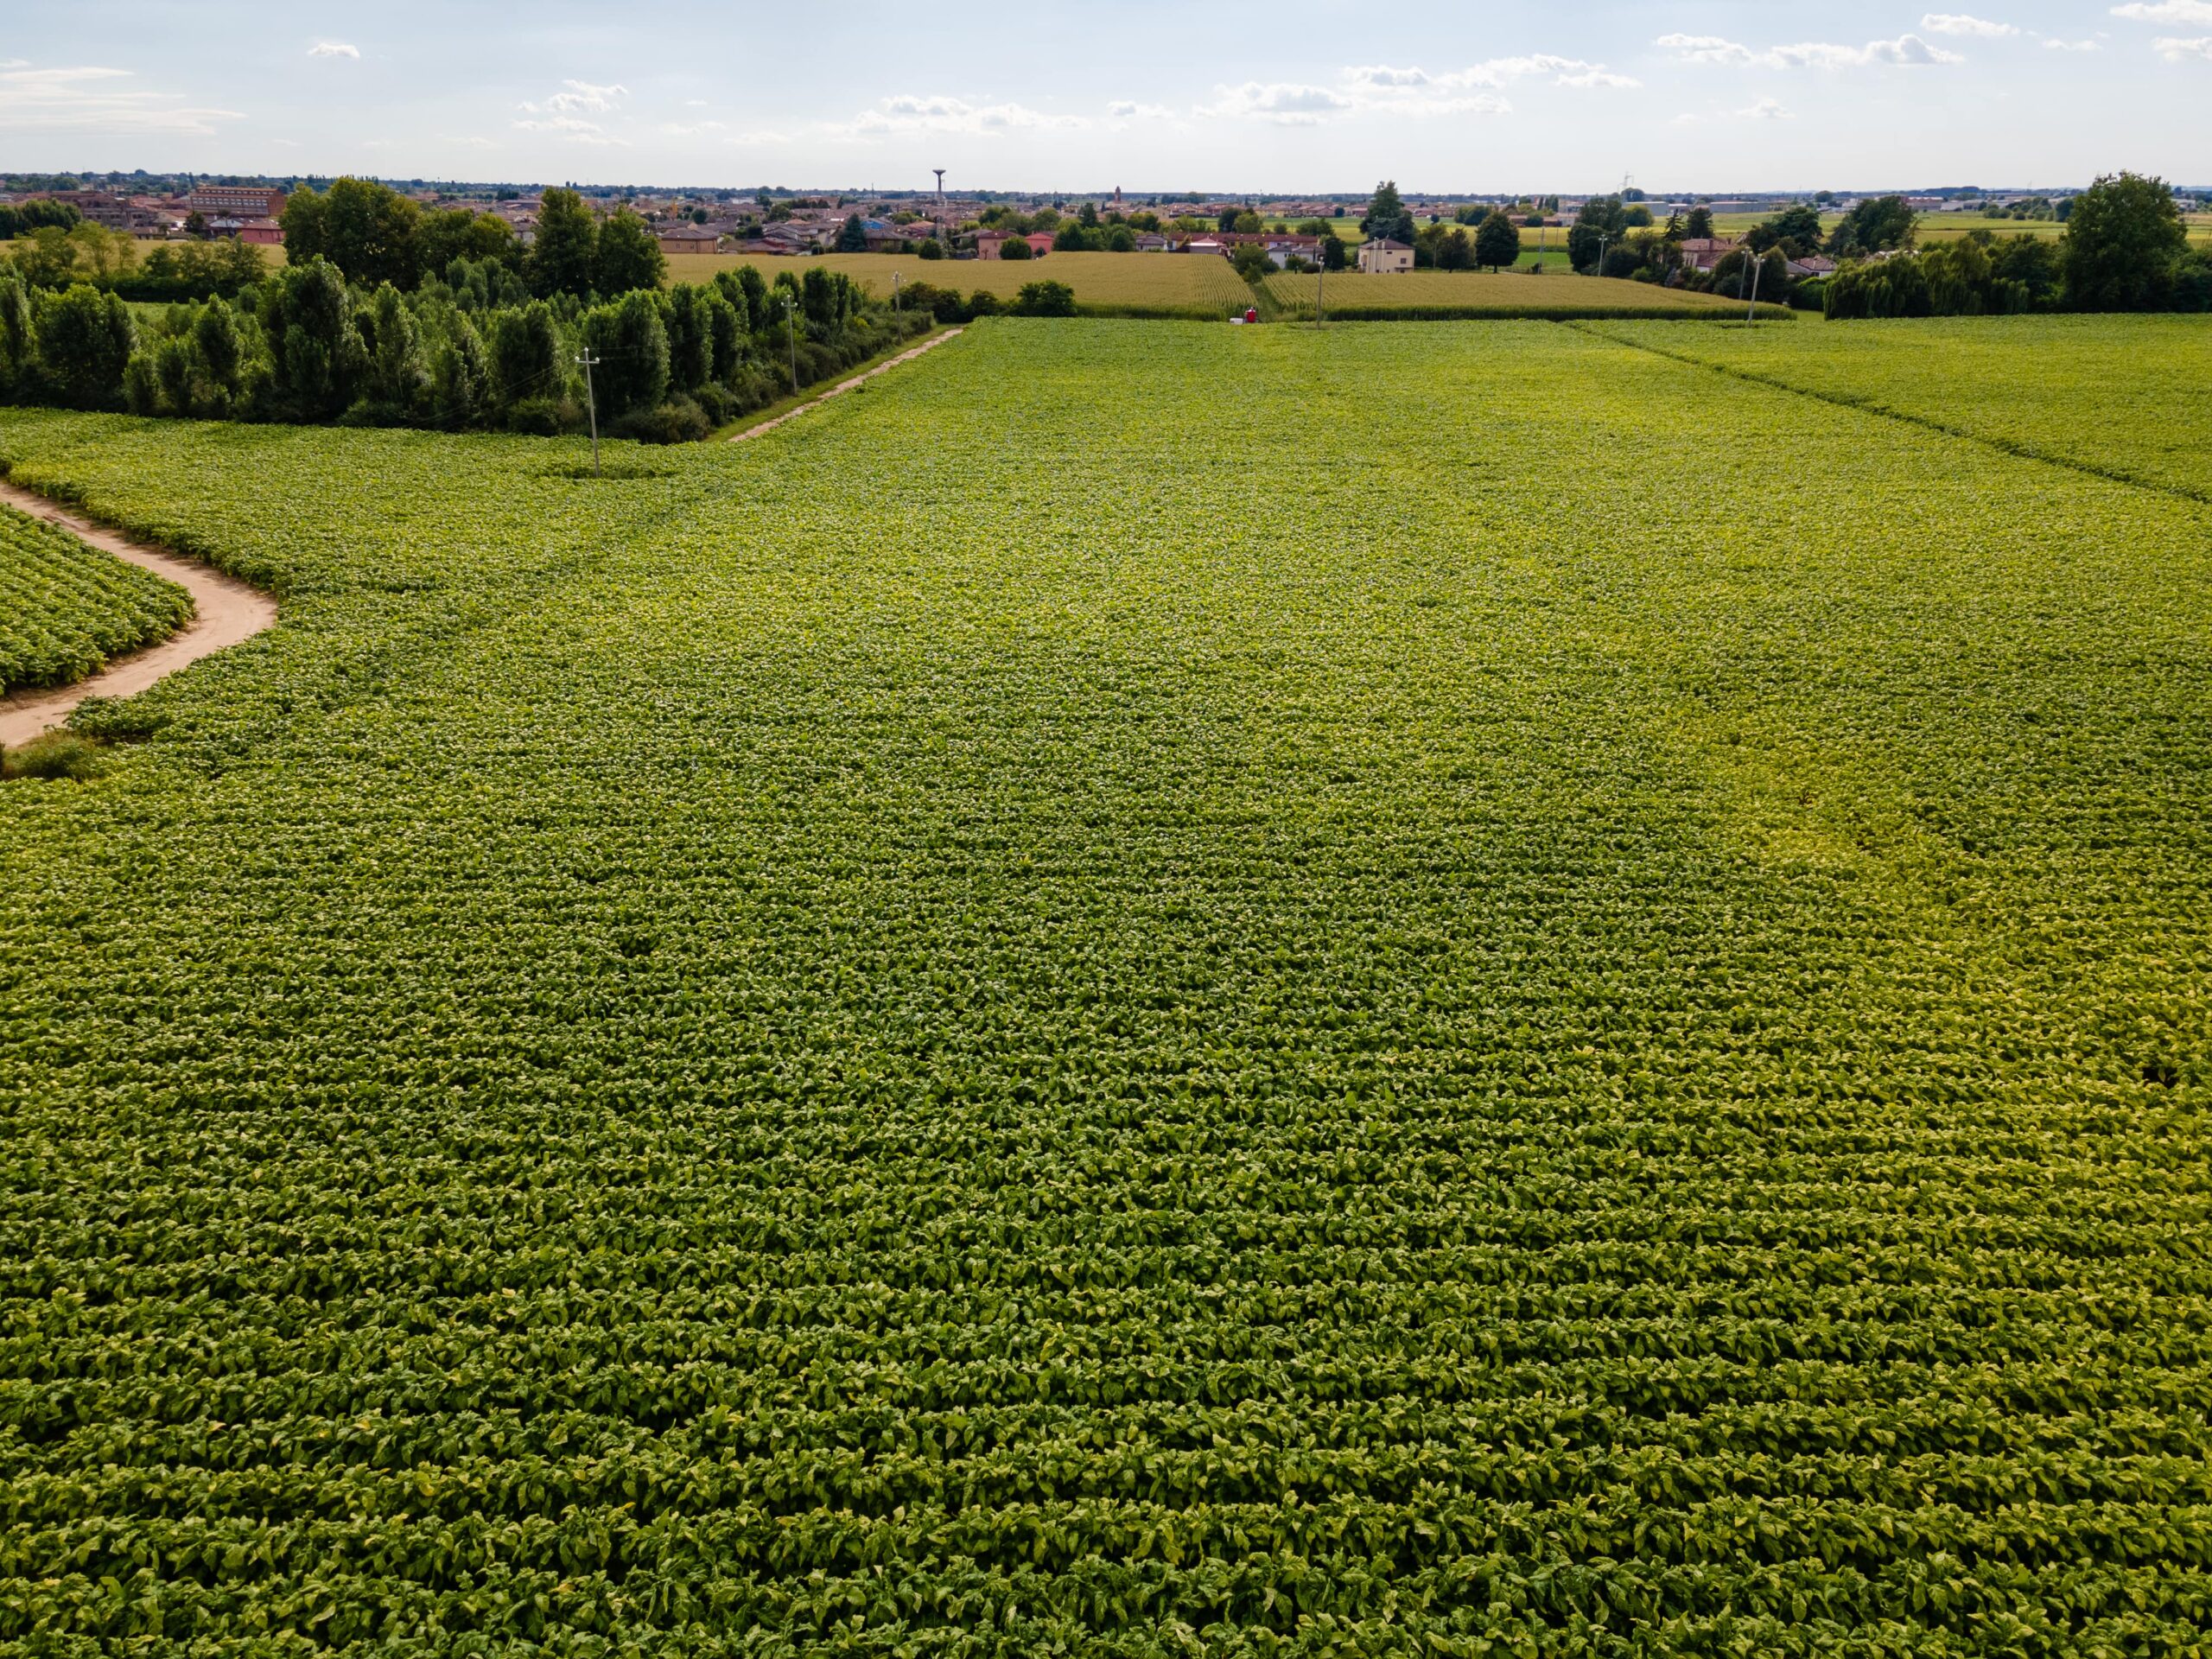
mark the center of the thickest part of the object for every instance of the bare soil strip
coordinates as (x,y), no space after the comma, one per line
(845,386)
(226,611)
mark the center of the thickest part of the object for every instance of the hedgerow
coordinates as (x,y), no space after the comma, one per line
(66,609)
(1285,1026)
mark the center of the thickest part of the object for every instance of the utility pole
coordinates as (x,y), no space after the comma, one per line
(895,305)
(1320,286)
(591,404)
(1751,308)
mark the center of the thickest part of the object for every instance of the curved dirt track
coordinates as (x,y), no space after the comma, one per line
(929,345)
(226,611)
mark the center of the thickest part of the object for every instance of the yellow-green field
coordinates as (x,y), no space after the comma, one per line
(1199,282)
(1506,293)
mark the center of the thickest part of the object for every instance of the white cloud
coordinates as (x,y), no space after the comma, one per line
(1766,109)
(910,112)
(1286,104)
(581,96)
(2175,50)
(2167,11)
(2051,44)
(334,49)
(563,114)
(1907,50)
(1960,22)
(1407,90)
(1126,110)
(91,98)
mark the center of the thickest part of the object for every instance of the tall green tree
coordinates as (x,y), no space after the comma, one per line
(1795,230)
(302,222)
(561,259)
(2123,240)
(852,235)
(629,255)
(369,232)
(1388,215)
(1497,242)
(630,341)
(456,234)
(526,356)
(314,350)
(1875,226)
(84,339)
(397,380)
(1698,225)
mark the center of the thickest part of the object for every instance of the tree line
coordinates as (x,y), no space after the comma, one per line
(471,348)
(2125,248)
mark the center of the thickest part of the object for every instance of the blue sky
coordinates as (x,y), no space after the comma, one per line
(1294,94)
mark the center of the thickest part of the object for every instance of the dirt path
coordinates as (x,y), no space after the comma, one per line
(929,345)
(226,611)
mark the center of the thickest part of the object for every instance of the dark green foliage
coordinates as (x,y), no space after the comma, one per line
(368,231)
(1015,248)
(563,258)
(1045,299)
(1876,225)
(316,354)
(931,248)
(38,214)
(2124,239)
(852,235)
(1797,230)
(84,337)
(526,356)
(1386,217)
(631,342)
(461,376)
(625,256)
(691,337)
(1497,242)
(64,754)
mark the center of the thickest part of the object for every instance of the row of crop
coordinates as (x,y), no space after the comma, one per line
(1266,1607)
(66,609)
(800,1477)
(1809,1417)
(1258,1566)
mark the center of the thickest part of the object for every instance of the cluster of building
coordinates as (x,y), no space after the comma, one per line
(246,212)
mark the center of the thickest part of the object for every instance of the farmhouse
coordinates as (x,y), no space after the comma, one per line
(989,244)
(689,238)
(1704,252)
(1384,256)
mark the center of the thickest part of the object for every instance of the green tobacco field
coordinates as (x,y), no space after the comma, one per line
(1044,1012)
(66,609)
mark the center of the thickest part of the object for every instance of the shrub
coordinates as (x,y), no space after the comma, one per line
(1046,299)
(538,418)
(680,420)
(53,755)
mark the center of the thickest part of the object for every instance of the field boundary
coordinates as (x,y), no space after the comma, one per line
(1927,423)
(226,611)
(906,356)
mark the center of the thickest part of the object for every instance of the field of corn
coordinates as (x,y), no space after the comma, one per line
(66,609)
(1044,1012)
(1205,285)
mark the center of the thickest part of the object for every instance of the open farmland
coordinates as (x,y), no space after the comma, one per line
(1203,285)
(66,609)
(1158,1051)
(2130,397)
(1555,292)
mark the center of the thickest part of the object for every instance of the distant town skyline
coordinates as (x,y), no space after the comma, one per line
(1304,96)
